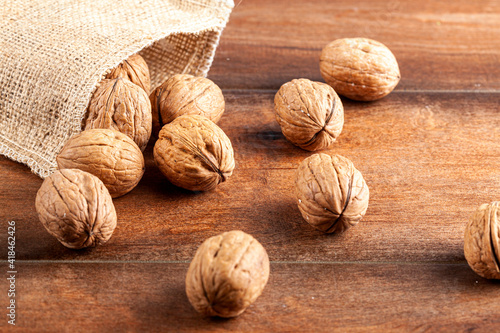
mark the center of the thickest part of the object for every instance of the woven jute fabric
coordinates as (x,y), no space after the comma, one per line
(54,53)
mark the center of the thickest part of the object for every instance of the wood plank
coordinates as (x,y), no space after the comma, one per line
(429,160)
(439,45)
(98,297)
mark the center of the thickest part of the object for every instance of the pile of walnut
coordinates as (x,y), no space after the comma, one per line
(105,160)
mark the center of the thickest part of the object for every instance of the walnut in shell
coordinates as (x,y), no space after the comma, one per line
(310,113)
(194,153)
(121,105)
(359,68)
(227,274)
(482,241)
(331,193)
(134,69)
(186,94)
(110,155)
(76,208)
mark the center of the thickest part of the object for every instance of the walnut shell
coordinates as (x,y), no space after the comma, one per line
(185,94)
(227,274)
(194,153)
(482,241)
(76,208)
(331,193)
(110,155)
(310,113)
(359,68)
(134,69)
(120,105)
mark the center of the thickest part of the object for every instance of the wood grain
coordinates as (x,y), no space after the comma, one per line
(80,297)
(439,45)
(429,160)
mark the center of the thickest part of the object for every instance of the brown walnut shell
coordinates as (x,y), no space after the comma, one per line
(482,241)
(185,94)
(76,208)
(135,69)
(310,113)
(359,68)
(331,193)
(194,153)
(120,105)
(227,274)
(110,155)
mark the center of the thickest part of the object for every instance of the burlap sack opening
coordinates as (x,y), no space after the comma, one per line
(54,53)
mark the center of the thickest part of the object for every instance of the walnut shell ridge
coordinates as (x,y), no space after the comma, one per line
(227,274)
(110,155)
(194,153)
(309,113)
(135,69)
(331,193)
(123,106)
(482,241)
(185,94)
(361,69)
(76,208)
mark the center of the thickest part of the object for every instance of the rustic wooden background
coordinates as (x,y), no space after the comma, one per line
(430,153)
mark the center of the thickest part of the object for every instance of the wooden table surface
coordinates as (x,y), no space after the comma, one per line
(429,152)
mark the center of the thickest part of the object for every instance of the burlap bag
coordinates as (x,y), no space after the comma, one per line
(53,54)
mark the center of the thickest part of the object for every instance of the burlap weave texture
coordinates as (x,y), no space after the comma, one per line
(53,54)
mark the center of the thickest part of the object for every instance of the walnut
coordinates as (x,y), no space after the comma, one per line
(359,68)
(194,153)
(185,94)
(310,113)
(482,241)
(227,274)
(331,193)
(110,155)
(123,106)
(76,208)
(134,69)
